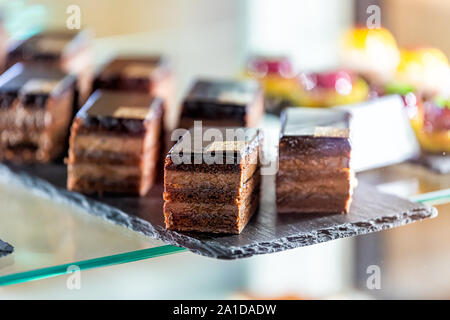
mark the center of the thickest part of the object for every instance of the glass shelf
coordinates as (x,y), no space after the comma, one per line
(49,237)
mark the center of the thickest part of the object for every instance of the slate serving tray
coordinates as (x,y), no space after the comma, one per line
(5,248)
(267,232)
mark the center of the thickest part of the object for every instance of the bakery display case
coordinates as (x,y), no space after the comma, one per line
(345,178)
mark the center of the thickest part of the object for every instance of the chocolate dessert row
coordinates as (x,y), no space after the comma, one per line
(115,139)
(213,186)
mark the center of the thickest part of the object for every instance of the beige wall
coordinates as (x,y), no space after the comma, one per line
(114,17)
(419,22)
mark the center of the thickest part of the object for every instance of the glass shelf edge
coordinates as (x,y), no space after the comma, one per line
(89,264)
(432,198)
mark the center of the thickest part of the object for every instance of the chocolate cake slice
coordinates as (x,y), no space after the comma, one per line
(212,184)
(69,50)
(115,144)
(314,172)
(36,107)
(145,74)
(220,103)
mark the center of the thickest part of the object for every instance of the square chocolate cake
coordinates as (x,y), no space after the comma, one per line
(36,107)
(145,74)
(115,144)
(220,103)
(314,172)
(69,50)
(212,186)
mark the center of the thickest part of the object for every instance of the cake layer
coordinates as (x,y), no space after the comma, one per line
(25,153)
(293,163)
(188,122)
(194,180)
(209,217)
(102,170)
(10,138)
(116,179)
(300,177)
(334,187)
(293,202)
(87,143)
(18,116)
(115,158)
(99,186)
(212,195)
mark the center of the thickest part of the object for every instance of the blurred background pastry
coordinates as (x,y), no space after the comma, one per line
(327,89)
(425,70)
(277,77)
(371,52)
(431,124)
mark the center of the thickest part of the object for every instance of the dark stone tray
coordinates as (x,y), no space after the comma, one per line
(267,232)
(5,248)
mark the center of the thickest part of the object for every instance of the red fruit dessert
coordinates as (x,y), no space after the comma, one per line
(276,75)
(432,125)
(329,89)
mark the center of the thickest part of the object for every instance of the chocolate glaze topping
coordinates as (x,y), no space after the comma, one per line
(47,81)
(315,132)
(119,111)
(210,99)
(229,144)
(47,46)
(133,73)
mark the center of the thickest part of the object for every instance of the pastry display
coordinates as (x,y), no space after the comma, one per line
(212,186)
(115,144)
(220,103)
(314,174)
(327,89)
(277,77)
(372,53)
(36,107)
